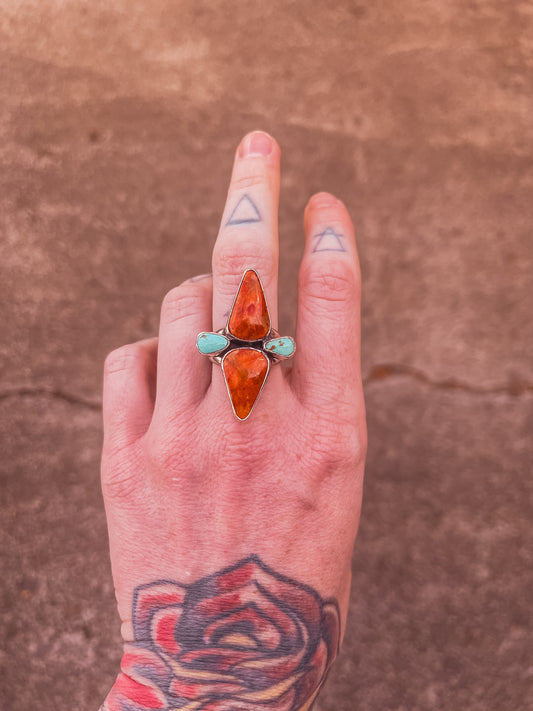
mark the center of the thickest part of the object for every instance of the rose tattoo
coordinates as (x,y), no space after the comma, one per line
(242,639)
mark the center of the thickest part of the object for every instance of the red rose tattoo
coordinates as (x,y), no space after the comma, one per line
(243,639)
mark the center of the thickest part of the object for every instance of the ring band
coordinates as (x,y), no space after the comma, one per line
(247,346)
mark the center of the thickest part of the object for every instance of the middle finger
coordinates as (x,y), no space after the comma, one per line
(248,235)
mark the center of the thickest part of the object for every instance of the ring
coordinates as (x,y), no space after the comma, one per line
(247,346)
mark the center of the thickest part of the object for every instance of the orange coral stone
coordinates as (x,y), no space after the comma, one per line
(249,318)
(245,370)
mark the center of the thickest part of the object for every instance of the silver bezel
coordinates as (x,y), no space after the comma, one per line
(247,348)
(236,343)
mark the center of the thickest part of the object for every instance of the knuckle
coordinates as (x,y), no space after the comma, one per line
(243,182)
(341,449)
(236,450)
(337,436)
(163,456)
(232,452)
(119,486)
(122,359)
(331,282)
(164,448)
(231,259)
(304,493)
(355,445)
(119,474)
(179,303)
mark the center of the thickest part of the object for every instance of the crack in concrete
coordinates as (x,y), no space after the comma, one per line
(54,393)
(384,371)
(377,373)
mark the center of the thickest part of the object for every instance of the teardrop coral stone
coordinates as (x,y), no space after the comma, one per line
(245,370)
(249,319)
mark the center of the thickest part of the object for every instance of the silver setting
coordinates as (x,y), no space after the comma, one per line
(248,348)
(218,356)
(236,343)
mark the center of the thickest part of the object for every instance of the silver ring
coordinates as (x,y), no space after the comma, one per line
(247,345)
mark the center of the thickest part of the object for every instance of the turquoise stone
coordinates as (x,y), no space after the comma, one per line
(280,346)
(211,342)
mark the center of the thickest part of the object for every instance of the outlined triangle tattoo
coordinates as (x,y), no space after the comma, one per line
(245,212)
(329,241)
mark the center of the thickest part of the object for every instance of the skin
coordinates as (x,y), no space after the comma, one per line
(188,488)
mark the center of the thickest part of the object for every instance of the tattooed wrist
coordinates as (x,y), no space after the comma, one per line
(240,639)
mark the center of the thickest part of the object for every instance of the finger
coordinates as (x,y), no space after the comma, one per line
(327,362)
(183,375)
(248,235)
(129,393)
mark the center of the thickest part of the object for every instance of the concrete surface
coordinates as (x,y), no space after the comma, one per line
(117,126)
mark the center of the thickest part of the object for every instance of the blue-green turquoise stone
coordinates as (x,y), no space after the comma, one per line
(211,342)
(281,346)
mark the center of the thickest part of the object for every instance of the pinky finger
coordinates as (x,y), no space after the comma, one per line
(129,393)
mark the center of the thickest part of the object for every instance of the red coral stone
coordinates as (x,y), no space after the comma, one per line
(245,370)
(249,319)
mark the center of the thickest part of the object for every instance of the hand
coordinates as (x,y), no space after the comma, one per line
(231,540)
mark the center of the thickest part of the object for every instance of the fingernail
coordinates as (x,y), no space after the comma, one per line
(323,200)
(256,144)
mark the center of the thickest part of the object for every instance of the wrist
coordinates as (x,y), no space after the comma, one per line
(244,637)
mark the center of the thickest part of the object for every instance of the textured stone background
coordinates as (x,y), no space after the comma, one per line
(118,121)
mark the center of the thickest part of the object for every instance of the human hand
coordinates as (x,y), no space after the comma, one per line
(231,540)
